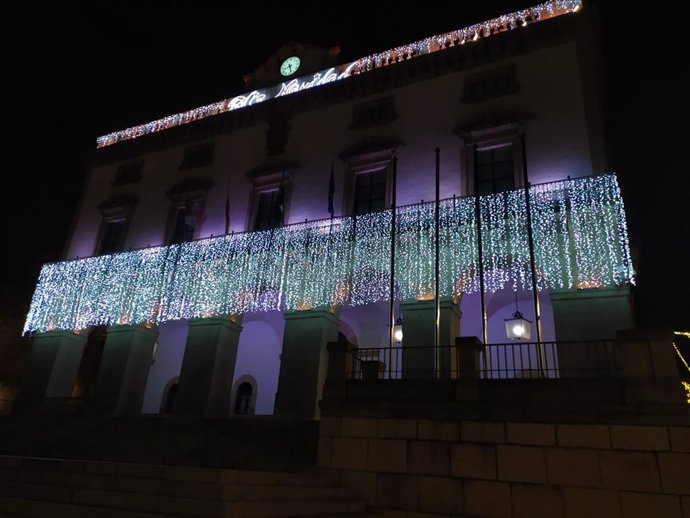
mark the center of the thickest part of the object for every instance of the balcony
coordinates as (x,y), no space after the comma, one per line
(578,226)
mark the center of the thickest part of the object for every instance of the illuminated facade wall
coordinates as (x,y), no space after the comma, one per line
(549,104)
(558,145)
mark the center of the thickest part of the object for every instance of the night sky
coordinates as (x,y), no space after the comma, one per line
(77,72)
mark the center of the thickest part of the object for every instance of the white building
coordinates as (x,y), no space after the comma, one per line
(236,309)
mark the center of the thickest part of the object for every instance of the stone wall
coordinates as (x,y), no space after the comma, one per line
(415,467)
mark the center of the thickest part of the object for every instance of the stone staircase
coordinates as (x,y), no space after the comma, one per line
(65,488)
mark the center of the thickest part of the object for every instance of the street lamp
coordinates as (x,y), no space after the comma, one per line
(398,330)
(518,327)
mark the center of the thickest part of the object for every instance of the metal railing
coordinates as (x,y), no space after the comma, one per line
(516,360)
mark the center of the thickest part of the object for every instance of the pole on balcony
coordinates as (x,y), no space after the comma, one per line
(480,253)
(437,280)
(530,243)
(391,319)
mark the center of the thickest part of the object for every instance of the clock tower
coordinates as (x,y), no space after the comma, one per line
(292,60)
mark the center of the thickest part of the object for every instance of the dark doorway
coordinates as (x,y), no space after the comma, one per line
(90,362)
(170,399)
(243,399)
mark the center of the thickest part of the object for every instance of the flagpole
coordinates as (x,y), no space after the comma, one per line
(478,217)
(391,337)
(227,205)
(437,297)
(530,242)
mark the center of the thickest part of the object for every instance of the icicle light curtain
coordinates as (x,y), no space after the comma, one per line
(580,240)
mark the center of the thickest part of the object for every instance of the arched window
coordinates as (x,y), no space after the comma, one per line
(243,399)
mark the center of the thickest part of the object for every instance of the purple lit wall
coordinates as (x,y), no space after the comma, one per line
(259,356)
(172,337)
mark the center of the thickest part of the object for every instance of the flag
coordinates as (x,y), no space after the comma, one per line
(227,214)
(194,213)
(331,189)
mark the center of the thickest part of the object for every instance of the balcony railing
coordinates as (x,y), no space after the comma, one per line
(516,360)
(580,240)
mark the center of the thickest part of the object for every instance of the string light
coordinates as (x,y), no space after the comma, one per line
(428,45)
(346,261)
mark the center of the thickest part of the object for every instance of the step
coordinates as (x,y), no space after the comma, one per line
(97,473)
(29,486)
(156,502)
(178,508)
(20,508)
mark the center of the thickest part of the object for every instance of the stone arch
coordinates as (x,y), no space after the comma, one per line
(347,332)
(500,305)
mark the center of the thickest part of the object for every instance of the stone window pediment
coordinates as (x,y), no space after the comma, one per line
(118,207)
(198,156)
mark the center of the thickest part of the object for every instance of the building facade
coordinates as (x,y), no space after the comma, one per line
(216,253)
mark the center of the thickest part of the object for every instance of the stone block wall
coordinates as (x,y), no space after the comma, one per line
(422,467)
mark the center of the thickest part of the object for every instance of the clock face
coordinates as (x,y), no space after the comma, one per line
(290,66)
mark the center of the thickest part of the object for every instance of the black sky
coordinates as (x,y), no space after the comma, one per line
(74,72)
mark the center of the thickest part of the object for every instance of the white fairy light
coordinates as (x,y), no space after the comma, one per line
(428,45)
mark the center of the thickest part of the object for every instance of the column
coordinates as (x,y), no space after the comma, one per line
(591,314)
(584,316)
(418,332)
(208,367)
(449,330)
(304,362)
(124,369)
(52,368)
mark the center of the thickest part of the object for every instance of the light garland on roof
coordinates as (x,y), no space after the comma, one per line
(346,261)
(428,45)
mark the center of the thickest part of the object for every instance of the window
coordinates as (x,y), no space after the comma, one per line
(373,113)
(117,212)
(491,158)
(197,156)
(183,229)
(128,173)
(113,237)
(368,175)
(269,210)
(489,84)
(187,209)
(494,170)
(370,192)
(269,198)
